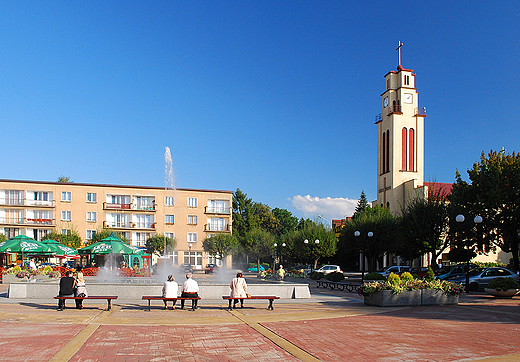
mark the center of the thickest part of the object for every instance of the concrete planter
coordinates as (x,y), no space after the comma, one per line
(387,298)
(11,278)
(510,293)
(438,297)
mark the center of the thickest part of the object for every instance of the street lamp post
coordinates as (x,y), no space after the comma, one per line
(357,234)
(477,220)
(316,242)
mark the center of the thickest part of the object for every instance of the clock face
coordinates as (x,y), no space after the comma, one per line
(385,102)
(408,98)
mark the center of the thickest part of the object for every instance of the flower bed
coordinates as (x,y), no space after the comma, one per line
(396,292)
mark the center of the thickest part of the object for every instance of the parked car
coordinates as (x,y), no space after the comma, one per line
(186,268)
(327,269)
(420,271)
(210,268)
(480,278)
(396,269)
(456,271)
(254,269)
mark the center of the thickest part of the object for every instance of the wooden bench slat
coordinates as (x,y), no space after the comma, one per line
(271,298)
(168,299)
(109,298)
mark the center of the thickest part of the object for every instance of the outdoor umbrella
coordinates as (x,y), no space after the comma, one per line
(110,245)
(60,250)
(24,244)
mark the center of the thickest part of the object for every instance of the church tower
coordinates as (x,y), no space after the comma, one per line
(400,140)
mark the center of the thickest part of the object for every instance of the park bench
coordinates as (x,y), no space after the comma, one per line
(109,298)
(270,297)
(168,299)
(349,287)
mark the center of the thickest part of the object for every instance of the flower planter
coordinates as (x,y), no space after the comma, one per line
(387,298)
(510,293)
(438,297)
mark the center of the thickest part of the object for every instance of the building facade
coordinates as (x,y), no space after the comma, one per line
(35,208)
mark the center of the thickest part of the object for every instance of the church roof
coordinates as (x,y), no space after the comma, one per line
(442,188)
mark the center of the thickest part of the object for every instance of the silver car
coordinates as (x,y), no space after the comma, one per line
(479,279)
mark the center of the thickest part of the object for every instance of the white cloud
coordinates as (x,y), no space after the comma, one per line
(330,208)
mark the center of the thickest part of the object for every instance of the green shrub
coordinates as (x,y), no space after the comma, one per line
(406,277)
(430,275)
(374,276)
(503,284)
(316,275)
(393,279)
(335,277)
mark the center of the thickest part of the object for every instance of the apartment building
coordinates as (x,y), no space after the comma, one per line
(35,208)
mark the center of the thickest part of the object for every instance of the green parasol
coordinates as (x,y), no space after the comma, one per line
(110,245)
(59,249)
(24,244)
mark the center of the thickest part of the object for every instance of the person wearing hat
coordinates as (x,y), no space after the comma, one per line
(170,290)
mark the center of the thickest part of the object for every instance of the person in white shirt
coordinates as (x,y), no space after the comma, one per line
(190,289)
(238,290)
(170,290)
(32,264)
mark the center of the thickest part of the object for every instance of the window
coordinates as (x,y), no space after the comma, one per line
(411,150)
(41,196)
(216,224)
(91,216)
(169,219)
(192,237)
(193,258)
(91,197)
(90,234)
(404,149)
(65,231)
(144,203)
(144,221)
(406,80)
(66,196)
(170,236)
(169,201)
(192,219)
(65,215)
(192,202)
(13,197)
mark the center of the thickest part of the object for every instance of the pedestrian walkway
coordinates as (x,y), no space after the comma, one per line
(331,326)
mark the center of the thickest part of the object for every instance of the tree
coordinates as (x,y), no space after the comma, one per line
(64,179)
(72,239)
(2,238)
(381,223)
(156,244)
(361,205)
(243,214)
(259,243)
(424,225)
(286,222)
(494,194)
(102,233)
(264,218)
(220,245)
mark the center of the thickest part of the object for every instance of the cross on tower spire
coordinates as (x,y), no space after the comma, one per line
(399,51)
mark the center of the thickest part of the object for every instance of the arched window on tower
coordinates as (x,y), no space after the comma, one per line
(387,150)
(384,153)
(411,150)
(404,148)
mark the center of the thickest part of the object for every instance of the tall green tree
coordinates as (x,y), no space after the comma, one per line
(220,245)
(383,226)
(72,239)
(156,244)
(64,179)
(424,226)
(102,233)
(286,222)
(361,205)
(493,194)
(243,214)
(259,243)
(2,238)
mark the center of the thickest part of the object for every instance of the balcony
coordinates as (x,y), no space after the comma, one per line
(420,111)
(128,225)
(26,221)
(217,210)
(25,202)
(217,228)
(109,206)
(395,108)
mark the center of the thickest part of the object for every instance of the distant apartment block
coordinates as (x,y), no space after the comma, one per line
(34,208)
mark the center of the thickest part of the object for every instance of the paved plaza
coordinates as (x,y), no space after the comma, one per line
(331,326)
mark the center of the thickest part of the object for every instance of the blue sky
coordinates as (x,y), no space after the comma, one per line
(277,98)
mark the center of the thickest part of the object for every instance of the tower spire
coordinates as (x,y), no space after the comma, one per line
(399,52)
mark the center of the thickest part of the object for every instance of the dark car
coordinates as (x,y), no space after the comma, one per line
(456,271)
(210,268)
(480,278)
(187,268)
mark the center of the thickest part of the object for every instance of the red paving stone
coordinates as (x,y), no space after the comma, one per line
(179,343)
(34,341)
(413,334)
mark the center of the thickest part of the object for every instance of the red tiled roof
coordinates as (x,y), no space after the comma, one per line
(443,188)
